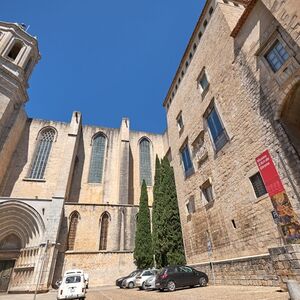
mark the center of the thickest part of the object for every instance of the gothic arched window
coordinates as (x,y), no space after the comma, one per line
(46,138)
(145,162)
(104,231)
(97,159)
(74,219)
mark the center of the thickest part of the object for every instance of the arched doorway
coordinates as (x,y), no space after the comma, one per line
(10,248)
(21,233)
(290,117)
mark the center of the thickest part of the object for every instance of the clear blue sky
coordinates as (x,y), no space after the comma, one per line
(107,59)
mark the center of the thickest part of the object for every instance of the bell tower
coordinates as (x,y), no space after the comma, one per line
(18,55)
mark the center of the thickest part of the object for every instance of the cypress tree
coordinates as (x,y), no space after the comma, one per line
(157,214)
(172,245)
(143,253)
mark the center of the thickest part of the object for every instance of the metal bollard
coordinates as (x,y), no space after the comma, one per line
(294,289)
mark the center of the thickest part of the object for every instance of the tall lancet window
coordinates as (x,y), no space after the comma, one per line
(46,138)
(97,159)
(74,219)
(104,231)
(145,162)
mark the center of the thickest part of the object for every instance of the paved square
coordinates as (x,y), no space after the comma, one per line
(207,293)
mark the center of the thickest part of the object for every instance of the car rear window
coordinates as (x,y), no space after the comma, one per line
(73,279)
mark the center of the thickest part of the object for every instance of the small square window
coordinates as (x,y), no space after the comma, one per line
(211,11)
(276,56)
(190,205)
(179,120)
(205,23)
(199,35)
(203,82)
(258,185)
(207,192)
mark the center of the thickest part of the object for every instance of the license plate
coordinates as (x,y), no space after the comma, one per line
(157,284)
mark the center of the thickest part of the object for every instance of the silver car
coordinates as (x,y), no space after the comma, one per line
(143,276)
(128,281)
(150,283)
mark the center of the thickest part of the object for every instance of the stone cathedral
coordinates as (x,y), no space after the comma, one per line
(69,192)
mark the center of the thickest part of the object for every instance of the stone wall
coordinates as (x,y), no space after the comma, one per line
(236,223)
(252,270)
(103,267)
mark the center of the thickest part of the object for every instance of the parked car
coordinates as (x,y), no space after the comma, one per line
(72,287)
(128,281)
(150,283)
(173,277)
(143,276)
(78,271)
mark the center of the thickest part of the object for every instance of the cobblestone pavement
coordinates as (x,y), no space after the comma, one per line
(207,293)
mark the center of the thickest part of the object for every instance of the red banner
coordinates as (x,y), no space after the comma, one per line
(269,174)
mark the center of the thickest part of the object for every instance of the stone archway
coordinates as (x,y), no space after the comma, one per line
(10,246)
(21,233)
(290,117)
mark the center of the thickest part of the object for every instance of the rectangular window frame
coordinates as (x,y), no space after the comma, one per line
(204,195)
(191,170)
(203,89)
(277,54)
(255,191)
(179,122)
(190,205)
(225,135)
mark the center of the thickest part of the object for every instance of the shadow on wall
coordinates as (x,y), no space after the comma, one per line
(62,240)
(282,114)
(130,181)
(77,172)
(16,166)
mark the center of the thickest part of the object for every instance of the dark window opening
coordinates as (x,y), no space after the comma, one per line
(233,224)
(104,231)
(190,206)
(207,192)
(258,185)
(211,11)
(15,50)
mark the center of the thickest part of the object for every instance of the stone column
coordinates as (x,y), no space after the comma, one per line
(124,162)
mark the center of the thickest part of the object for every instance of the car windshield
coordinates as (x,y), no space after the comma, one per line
(73,279)
(133,273)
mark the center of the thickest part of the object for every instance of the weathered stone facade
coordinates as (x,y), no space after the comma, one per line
(257,109)
(51,171)
(69,193)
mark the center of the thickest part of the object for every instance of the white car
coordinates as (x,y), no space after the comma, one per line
(80,272)
(72,287)
(141,278)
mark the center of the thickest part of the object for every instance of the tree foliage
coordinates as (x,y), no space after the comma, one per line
(143,253)
(167,235)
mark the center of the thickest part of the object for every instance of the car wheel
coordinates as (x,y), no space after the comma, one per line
(143,286)
(130,285)
(202,281)
(161,290)
(171,286)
